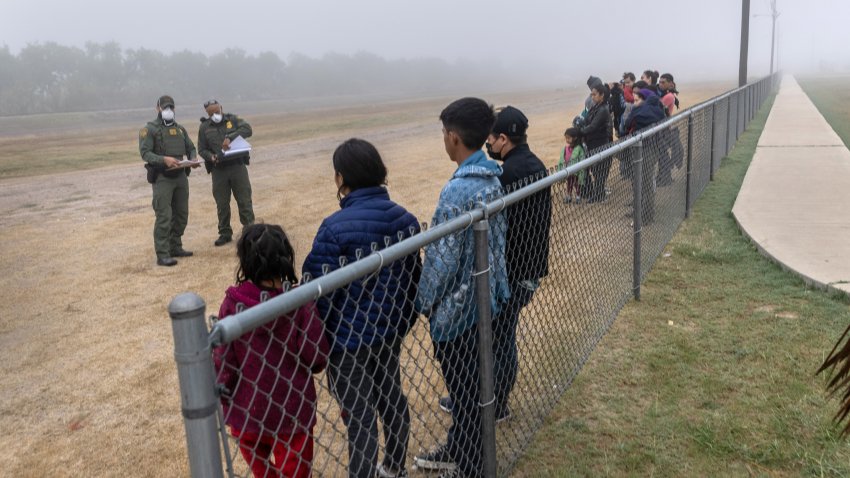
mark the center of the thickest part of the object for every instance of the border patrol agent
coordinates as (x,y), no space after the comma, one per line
(229,174)
(162,144)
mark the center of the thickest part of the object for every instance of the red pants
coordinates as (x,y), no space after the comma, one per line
(273,456)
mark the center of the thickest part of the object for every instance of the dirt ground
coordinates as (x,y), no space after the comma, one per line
(88,378)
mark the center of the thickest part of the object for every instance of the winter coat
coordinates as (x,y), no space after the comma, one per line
(573,156)
(268,372)
(527,246)
(446,290)
(378,307)
(645,114)
(597,129)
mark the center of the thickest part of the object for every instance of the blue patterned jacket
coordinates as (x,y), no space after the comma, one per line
(446,289)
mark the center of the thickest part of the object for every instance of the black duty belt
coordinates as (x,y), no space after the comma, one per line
(223,164)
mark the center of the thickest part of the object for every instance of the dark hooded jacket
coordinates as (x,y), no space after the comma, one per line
(646,114)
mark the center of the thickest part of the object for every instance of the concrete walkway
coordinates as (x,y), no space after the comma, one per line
(794,203)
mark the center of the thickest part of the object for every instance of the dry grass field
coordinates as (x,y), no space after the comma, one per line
(88,379)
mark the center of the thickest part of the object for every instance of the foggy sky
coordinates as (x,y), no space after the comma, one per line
(690,38)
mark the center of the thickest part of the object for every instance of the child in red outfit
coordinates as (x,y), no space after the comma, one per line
(269,398)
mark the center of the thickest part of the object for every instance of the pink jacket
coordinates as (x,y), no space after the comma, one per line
(668,100)
(269,371)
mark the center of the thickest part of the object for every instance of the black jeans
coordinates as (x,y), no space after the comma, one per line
(672,157)
(504,343)
(599,171)
(459,362)
(648,179)
(364,382)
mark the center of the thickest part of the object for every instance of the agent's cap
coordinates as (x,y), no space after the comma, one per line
(510,122)
(165,101)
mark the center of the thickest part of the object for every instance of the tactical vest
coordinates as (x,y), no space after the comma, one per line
(170,141)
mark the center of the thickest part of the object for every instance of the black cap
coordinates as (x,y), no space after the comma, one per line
(165,101)
(510,122)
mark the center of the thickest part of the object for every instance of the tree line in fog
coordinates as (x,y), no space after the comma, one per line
(52,78)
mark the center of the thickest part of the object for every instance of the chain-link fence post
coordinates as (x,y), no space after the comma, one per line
(752,104)
(741,120)
(728,124)
(487,394)
(197,384)
(713,151)
(749,93)
(688,165)
(637,223)
(737,116)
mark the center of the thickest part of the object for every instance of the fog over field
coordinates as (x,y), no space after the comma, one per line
(545,42)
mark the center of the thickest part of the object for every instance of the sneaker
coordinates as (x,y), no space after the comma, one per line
(438,459)
(384,472)
(446,404)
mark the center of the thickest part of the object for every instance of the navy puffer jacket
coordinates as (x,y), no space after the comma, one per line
(378,307)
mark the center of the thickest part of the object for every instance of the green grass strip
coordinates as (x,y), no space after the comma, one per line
(712,372)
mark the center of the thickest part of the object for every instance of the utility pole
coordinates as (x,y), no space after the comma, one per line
(774,14)
(745,40)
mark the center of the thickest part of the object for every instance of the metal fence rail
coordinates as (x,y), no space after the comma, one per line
(245,412)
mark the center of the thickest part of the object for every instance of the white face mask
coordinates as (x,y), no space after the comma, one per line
(216,118)
(167,114)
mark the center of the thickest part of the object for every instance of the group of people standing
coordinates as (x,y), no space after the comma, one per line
(617,110)
(170,155)
(356,333)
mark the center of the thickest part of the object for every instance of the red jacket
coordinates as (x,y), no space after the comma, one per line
(269,371)
(628,94)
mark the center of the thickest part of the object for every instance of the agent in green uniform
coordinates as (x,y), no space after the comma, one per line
(162,144)
(229,173)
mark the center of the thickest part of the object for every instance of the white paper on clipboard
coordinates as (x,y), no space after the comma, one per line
(238,146)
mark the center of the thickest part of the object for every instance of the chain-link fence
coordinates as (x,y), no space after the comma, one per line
(443,350)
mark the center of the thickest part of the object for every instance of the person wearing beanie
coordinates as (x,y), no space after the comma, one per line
(163,145)
(647,112)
